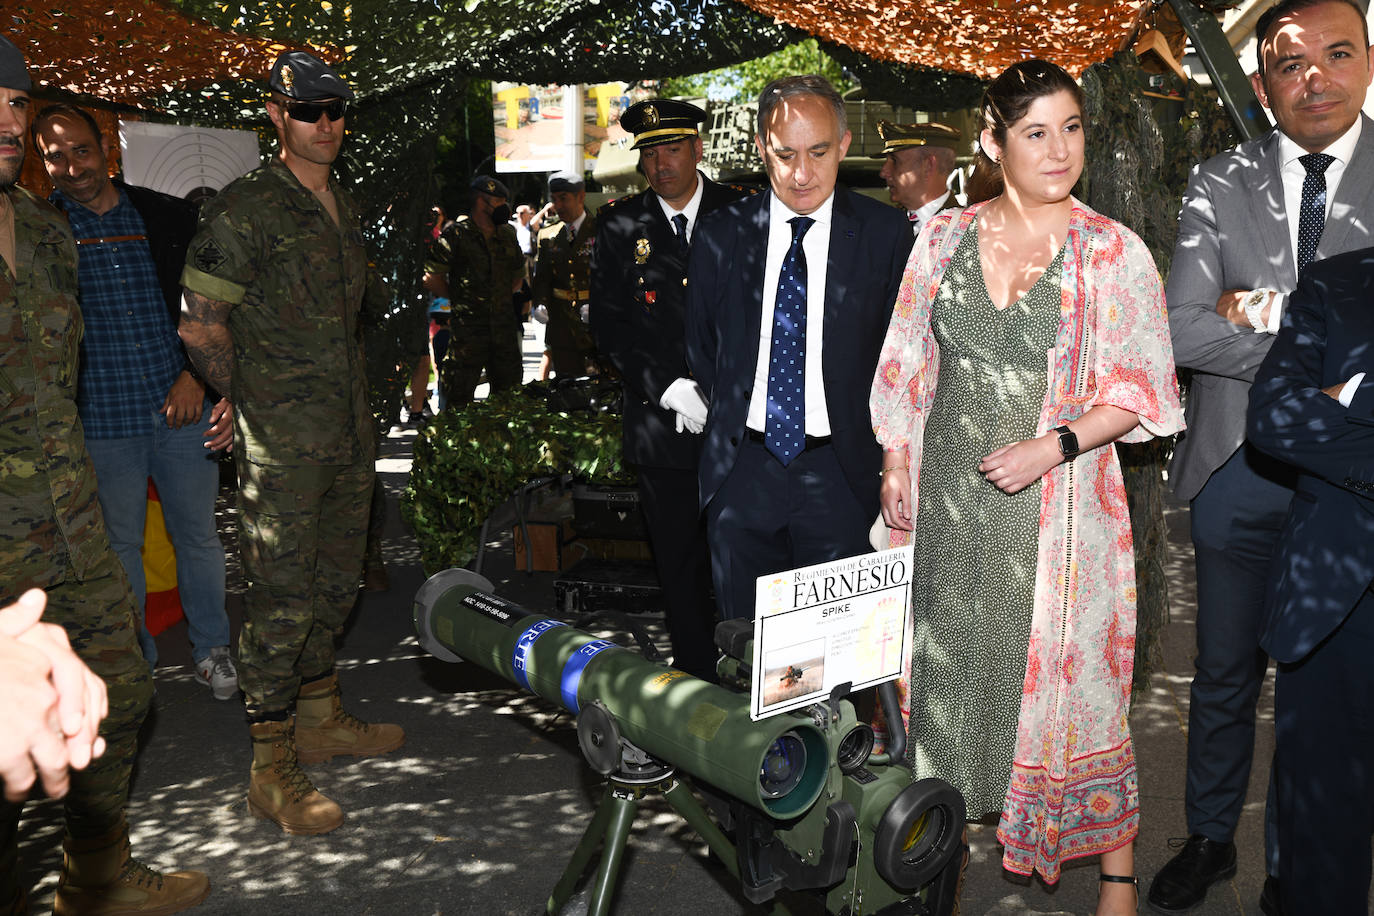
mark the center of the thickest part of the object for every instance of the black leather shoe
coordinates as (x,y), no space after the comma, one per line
(1183,882)
(1270,902)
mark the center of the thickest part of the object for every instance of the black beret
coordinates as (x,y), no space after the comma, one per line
(488,185)
(13,72)
(303,76)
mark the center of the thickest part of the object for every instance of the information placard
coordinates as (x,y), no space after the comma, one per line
(820,626)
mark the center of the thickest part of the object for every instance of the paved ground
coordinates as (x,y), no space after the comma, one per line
(479,810)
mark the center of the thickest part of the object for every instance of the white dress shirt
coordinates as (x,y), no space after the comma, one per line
(689,211)
(1292,173)
(816,246)
(575,226)
(921,215)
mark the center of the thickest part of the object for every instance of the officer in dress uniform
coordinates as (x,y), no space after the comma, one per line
(562,276)
(920,158)
(639,279)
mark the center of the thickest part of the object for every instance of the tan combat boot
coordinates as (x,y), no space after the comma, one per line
(324,729)
(99,878)
(277,788)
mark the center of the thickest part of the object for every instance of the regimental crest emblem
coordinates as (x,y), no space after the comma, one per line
(650,116)
(491,186)
(208,256)
(642,251)
(288,77)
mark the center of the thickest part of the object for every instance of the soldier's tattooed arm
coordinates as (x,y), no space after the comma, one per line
(204,329)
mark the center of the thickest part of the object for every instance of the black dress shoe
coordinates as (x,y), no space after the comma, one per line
(1183,882)
(1270,902)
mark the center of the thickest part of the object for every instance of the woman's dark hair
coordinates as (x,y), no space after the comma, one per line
(1005,102)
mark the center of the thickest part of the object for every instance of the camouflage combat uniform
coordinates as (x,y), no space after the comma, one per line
(304,442)
(481,276)
(52,535)
(562,284)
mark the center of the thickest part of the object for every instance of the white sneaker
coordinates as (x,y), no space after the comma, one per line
(217,670)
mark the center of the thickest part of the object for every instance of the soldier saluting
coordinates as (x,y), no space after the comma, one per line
(639,287)
(562,269)
(275,288)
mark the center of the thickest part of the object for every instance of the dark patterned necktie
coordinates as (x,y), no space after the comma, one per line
(1312,210)
(680,229)
(785,427)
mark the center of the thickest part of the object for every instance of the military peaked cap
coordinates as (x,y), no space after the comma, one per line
(901,136)
(657,121)
(565,181)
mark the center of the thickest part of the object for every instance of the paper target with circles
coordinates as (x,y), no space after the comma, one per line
(189,162)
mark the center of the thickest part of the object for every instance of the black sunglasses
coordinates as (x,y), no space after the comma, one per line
(310,112)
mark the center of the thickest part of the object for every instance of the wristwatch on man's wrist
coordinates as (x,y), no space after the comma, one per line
(1253,306)
(1068,443)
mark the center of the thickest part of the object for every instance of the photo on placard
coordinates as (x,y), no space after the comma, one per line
(794,671)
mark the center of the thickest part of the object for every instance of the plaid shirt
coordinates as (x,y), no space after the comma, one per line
(130,354)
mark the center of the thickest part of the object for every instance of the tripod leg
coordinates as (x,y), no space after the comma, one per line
(686,804)
(586,848)
(621,815)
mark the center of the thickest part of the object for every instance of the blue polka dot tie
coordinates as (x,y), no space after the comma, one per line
(1312,209)
(785,430)
(680,230)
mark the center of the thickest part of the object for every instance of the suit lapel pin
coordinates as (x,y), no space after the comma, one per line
(642,251)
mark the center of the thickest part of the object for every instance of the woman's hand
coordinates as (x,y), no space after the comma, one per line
(1014,467)
(895,497)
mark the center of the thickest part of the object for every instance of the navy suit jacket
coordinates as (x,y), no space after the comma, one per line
(869,245)
(639,290)
(1325,556)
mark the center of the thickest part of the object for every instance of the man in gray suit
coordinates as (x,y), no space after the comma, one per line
(1252,219)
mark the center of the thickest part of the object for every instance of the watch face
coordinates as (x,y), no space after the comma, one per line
(1068,442)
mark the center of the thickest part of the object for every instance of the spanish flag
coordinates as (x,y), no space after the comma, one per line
(162,608)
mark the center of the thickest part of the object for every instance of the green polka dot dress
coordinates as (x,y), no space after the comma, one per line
(975,546)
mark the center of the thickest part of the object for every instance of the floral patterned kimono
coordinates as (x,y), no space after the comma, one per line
(1072,789)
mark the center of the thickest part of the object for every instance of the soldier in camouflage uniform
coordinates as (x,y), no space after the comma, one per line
(52,536)
(477,265)
(562,276)
(277,283)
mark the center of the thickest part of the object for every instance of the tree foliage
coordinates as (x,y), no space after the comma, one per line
(744,81)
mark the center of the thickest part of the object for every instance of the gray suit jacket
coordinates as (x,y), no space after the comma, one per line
(1233,234)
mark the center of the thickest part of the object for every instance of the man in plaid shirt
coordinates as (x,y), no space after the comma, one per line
(145,411)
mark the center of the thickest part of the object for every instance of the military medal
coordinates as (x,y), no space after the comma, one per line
(649,297)
(642,251)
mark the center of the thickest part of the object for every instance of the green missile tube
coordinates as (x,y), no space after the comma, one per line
(778,765)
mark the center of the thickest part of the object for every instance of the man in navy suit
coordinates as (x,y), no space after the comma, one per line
(788,299)
(639,271)
(1312,405)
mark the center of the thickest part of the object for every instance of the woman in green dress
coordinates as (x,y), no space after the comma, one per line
(1029,331)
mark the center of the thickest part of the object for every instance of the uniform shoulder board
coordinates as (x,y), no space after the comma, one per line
(620,200)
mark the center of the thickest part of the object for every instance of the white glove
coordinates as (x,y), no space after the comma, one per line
(689,425)
(585,313)
(540,314)
(684,397)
